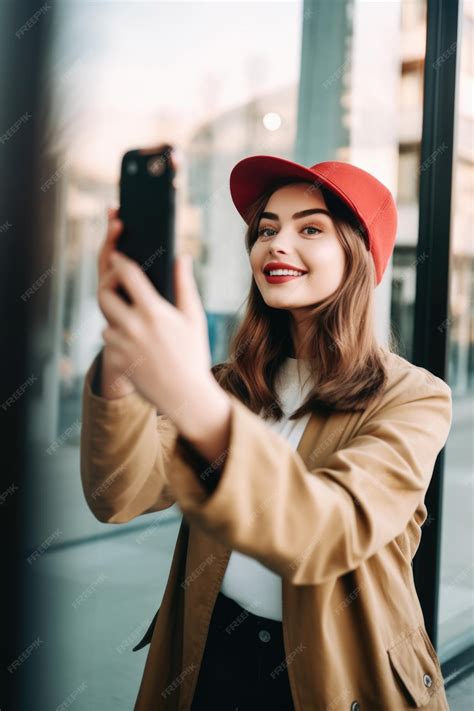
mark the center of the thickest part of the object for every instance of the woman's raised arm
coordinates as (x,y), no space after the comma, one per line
(312,525)
(124,452)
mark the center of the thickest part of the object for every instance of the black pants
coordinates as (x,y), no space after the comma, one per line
(239,670)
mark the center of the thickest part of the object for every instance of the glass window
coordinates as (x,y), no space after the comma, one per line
(220,80)
(234,79)
(120,78)
(413,44)
(456,605)
(408,173)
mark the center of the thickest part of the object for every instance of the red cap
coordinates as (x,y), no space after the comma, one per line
(367,197)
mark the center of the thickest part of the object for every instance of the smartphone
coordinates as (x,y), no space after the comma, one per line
(147,209)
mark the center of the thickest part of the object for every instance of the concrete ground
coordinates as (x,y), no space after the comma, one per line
(96,602)
(461,695)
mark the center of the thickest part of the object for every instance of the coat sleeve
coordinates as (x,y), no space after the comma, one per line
(125,450)
(309,526)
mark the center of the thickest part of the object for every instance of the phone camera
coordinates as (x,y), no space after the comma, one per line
(132,167)
(156,165)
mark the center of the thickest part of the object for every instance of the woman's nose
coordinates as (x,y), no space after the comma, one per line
(282,241)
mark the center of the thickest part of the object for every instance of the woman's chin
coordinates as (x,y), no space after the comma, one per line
(280,303)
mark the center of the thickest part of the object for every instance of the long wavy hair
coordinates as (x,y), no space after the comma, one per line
(346,361)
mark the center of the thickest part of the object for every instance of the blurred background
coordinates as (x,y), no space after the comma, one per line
(387,86)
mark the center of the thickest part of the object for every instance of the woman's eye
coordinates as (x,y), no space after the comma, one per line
(312,227)
(262,230)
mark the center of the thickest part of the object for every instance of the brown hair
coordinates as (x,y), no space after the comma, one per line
(346,360)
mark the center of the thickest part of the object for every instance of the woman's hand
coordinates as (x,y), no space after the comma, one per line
(109,246)
(113,382)
(162,349)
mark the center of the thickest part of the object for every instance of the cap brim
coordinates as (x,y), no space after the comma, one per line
(251,176)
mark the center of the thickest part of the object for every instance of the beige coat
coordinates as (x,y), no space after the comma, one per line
(339,520)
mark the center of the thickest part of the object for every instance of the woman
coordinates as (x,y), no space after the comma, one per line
(300,464)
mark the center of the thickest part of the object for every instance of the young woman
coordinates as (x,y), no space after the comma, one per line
(300,464)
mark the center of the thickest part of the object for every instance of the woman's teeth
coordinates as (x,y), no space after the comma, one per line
(284,272)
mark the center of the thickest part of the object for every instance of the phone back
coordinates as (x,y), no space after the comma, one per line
(147,209)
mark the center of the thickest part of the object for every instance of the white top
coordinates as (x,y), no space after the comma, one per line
(246,580)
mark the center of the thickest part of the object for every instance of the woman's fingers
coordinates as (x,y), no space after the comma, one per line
(114,229)
(112,337)
(142,292)
(114,308)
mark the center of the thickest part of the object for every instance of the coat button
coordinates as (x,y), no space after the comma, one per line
(265,635)
(355,706)
(427,680)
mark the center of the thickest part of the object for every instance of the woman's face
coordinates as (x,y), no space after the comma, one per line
(306,242)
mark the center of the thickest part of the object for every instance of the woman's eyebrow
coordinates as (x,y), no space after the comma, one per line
(302,213)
